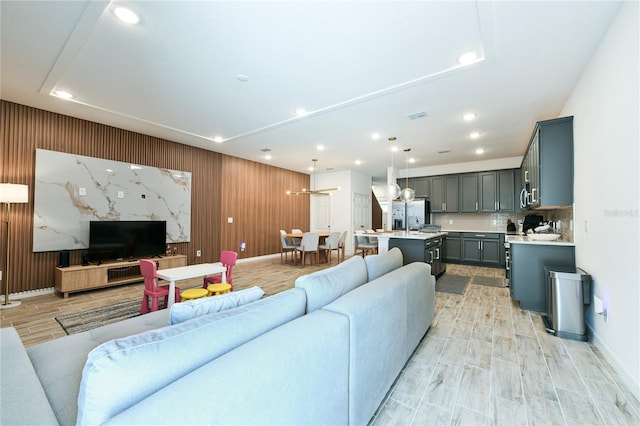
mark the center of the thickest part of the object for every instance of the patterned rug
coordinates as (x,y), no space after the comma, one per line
(448,283)
(87,320)
(488,281)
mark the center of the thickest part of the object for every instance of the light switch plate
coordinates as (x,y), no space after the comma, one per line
(82,191)
(229,220)
(120,194)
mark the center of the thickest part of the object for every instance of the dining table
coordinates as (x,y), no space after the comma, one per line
(187,272)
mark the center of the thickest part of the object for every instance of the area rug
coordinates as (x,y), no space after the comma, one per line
(488,281)
(452,283)
(93,318)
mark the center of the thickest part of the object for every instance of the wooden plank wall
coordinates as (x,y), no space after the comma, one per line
(222,186)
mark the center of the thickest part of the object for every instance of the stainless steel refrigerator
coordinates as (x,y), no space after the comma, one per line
(415,214)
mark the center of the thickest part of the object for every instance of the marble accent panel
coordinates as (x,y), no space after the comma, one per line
(72,190)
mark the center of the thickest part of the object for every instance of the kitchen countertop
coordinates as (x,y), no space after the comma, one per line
(412,235)
(479,231)
(522,239)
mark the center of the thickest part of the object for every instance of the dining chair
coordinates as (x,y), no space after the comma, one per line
(342,244)
(228,259)
(148,270)
(331,243)
(309,245)
(361,244)
(287,246)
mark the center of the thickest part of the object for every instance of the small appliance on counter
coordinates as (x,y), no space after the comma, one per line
(531,221)
(430,229)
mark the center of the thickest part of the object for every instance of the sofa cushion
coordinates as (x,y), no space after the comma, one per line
(122,372)
(59,362)
(24,402)
(296,374)
(325,286)
(380,264)
(207,305)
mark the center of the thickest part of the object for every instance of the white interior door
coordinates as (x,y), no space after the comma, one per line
(361,212)
(321,216)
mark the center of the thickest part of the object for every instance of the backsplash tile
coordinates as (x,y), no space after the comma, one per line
(497,222)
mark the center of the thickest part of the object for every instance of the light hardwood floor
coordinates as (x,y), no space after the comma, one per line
(484,360)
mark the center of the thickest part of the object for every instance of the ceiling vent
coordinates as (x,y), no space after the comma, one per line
(416,115)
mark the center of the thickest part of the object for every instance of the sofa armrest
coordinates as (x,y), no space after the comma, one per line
(23,400)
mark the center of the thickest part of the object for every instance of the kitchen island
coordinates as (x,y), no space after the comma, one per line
(417,247)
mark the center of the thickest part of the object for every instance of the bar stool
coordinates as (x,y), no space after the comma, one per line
(218,289)
(193,293)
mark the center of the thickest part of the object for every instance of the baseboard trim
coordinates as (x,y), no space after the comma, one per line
(623,373)
(30,293)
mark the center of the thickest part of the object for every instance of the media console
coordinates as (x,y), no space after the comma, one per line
(80,278)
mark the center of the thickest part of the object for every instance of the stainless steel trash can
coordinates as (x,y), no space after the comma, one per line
(568,291)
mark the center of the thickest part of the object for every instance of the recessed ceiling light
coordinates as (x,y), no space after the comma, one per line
(357,162)
(126,15)
(300,112)
(218,139)
(412,160)
(242,77)
(394,149)
(470,116)
(320,147)
(479,151)
(266,150)
(62,94)
(375,136)
(267,157)
(468,58)
(474,135)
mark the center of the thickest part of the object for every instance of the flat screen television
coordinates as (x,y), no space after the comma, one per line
(126,239)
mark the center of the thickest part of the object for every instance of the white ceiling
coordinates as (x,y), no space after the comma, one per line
(356,67)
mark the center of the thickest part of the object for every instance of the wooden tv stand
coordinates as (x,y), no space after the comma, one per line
(80,278)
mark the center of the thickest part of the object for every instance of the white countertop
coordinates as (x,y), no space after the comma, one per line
(412,235)
(479,231)
(522,239)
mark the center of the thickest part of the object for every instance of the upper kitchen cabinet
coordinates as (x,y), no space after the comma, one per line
(422,187)
(444,193)
(547,168)
(469,193)
(496,192)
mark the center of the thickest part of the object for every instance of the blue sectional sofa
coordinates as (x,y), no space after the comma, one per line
(324,352)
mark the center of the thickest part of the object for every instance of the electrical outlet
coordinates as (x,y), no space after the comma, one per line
(450,221)
(198,253)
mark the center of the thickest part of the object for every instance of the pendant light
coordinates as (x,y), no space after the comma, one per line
(393,189)
(407,195)
(313,191)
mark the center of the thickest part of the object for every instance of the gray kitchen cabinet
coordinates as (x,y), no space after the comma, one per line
(452,247)
(528,281)
(496,191)
(419,250)
(444,193)
(547,168)
(421,187)
(481,248)
(469,193)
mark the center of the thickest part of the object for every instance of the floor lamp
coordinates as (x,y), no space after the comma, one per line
(11,193)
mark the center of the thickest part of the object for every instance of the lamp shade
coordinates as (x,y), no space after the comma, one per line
(14,193)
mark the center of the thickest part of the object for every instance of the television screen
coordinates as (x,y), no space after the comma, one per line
(126,239)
